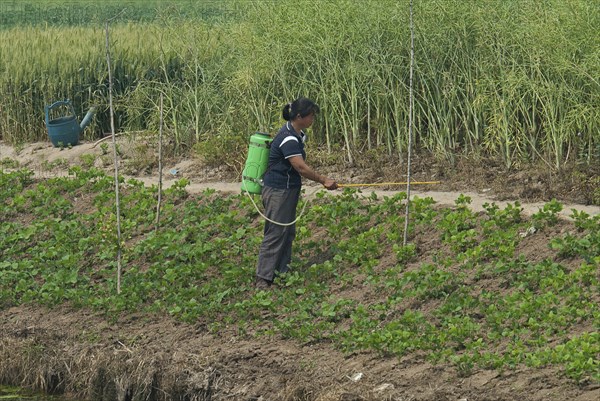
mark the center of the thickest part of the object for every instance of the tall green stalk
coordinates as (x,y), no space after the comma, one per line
(515,80)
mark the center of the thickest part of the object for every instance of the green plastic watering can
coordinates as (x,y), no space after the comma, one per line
(65,130)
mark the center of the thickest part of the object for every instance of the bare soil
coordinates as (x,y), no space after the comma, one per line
(65,349)
(141,351)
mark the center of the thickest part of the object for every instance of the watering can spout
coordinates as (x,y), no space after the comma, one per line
(88,118)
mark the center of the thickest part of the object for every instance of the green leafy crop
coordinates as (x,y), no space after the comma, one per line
(463,291)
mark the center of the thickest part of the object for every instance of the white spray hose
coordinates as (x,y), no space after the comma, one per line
(276,222)
(339,186)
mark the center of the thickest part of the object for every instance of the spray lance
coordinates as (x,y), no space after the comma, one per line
(256,167)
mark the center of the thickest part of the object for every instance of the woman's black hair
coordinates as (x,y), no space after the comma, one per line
(300,107)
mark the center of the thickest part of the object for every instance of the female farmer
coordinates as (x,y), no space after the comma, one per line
(281,191)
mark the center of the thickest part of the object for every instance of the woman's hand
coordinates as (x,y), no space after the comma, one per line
(330,184)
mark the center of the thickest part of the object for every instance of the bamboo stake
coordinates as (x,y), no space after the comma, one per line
(160,167)
(115,156)
(410,121)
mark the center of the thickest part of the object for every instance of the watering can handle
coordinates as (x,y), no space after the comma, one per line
(57,104)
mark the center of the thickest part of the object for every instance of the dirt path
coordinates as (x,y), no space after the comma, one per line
(47,161)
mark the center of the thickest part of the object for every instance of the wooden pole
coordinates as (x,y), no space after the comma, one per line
(160,166)
(410,121)
(115,157)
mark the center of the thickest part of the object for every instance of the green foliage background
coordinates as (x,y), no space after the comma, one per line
(514,79)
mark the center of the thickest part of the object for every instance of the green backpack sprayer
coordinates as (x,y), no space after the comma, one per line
(256,163)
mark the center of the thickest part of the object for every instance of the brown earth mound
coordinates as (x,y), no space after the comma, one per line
(141,357)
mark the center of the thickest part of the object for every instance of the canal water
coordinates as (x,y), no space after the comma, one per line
(8,393)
